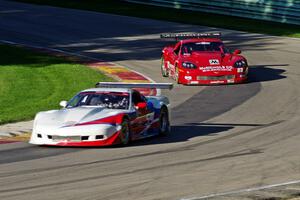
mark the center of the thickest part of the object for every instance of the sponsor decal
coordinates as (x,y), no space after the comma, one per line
(188,78)
(214,62)
(240,70)
(216,82)
(216,68)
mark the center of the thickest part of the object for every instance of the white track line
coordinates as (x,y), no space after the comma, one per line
(7,42)
(50,49)
(243,190)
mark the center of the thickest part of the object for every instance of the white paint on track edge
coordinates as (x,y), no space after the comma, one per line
(158,91)
(242,190)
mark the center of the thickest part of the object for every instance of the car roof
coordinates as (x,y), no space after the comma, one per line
(108,90)
(201,40)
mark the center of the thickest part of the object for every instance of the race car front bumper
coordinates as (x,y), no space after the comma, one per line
(189,78)
(88,135)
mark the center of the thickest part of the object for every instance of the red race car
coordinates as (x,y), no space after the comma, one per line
(202,58)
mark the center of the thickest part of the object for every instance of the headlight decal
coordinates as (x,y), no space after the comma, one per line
(189,65)
(240,63)
(240,70)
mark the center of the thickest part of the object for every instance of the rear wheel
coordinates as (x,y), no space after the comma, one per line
(164,123)
(124,135)
(164,71)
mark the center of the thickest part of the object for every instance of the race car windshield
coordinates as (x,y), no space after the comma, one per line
(109,100)
(188,48)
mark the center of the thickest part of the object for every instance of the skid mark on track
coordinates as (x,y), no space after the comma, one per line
(168,151)
(176,164)
(213,101)
(31,152)
(235,134)
(243,190)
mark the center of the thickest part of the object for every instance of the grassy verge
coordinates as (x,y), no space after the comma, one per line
(130,9)
(31,82)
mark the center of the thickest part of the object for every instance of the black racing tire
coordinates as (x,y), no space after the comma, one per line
(164,122)
(164,71)
(125,135)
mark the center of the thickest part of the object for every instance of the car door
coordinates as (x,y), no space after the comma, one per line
(173,57)
(143,118)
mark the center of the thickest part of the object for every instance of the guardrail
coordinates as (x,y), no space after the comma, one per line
(284,11)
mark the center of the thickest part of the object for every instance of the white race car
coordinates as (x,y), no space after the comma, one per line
(112,113)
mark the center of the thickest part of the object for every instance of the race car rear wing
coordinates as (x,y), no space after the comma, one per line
(189,35)
(135,85)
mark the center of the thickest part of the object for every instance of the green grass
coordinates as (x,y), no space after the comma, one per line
(31,82)
(130,9)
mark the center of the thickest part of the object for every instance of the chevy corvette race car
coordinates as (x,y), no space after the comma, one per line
(111,113)
(202,58)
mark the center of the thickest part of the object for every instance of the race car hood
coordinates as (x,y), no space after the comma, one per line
(72,116)
(206,59)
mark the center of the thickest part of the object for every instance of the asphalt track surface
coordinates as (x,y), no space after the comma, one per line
(224,138)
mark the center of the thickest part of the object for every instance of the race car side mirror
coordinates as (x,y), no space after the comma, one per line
(63,104)
(237,51)
(150,106)
(141,105)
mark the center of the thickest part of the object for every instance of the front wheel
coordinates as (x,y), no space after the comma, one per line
(164,71)
(164,123)
(124,135)
(177,75)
